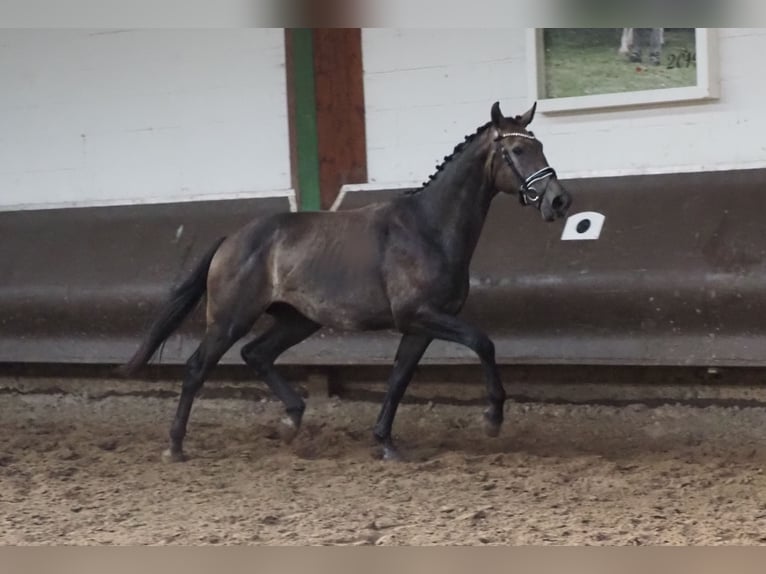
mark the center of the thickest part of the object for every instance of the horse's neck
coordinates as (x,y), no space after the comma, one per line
(456,202)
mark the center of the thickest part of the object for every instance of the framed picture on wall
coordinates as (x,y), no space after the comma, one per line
(574,69)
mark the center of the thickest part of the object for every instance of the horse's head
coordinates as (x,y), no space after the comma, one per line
(519,166)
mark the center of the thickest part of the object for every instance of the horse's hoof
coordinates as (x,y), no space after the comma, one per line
(491,429)
(169,455)
(388,452)
(391,454)
(288,429)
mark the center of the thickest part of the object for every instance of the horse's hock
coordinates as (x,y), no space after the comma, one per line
(676,278)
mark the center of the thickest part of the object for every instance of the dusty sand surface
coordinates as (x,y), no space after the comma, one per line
(79,470)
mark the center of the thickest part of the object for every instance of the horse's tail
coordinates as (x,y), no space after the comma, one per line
(181,302)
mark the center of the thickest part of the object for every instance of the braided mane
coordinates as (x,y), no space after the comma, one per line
(447,158)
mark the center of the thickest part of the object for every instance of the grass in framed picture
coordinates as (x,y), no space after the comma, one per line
(577,68)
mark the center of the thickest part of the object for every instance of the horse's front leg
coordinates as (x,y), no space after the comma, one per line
(410,351)
(440,325)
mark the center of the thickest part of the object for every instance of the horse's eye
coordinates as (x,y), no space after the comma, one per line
(517,150)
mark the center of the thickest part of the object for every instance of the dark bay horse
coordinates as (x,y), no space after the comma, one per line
(401,264)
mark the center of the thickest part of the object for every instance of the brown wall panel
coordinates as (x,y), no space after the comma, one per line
(340,109)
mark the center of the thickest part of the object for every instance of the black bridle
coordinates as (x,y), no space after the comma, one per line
(528,194)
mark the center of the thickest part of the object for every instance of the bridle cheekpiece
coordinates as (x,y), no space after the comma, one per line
(528,194)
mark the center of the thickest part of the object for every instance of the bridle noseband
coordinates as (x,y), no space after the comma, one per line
(528,195)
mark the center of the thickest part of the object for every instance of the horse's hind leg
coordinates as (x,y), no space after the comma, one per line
(290,328)
(216,342)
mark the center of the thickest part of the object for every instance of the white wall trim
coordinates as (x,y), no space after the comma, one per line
(593,174)
(662,170)
(353,187)
(155,200)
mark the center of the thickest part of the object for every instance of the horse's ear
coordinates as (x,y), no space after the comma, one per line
(528,116)
(497,115)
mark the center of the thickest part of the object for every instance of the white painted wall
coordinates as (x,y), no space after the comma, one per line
(426,89)
(93,117)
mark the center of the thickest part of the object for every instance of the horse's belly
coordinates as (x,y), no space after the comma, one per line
(346,309)
(335,283)
(351,321)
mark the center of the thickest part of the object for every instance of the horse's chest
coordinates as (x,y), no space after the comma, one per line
(449,292)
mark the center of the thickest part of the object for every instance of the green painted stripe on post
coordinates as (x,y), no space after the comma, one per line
(307,139)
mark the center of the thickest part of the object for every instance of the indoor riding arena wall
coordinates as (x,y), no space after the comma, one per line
(676,279)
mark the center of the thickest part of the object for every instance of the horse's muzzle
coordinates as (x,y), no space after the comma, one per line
(556,202)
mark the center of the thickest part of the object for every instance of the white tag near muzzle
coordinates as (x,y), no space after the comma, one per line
(583,225)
